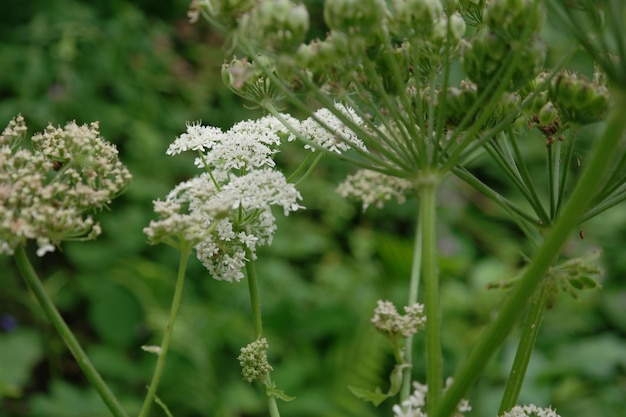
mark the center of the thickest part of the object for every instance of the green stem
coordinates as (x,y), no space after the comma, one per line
(413,292)
(524,351)
(36,286)
(253,289)
(601,160)
(428,215)
(165,344)
(258,324)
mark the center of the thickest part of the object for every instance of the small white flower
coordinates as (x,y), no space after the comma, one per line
(372,187)
(336,136)
(530,410)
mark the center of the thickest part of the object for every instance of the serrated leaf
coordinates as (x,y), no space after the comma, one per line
(376,397)
(272,391)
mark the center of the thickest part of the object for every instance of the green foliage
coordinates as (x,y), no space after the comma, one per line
(143,72)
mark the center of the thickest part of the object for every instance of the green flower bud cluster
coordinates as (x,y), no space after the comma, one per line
(487,51)
(506,22)
(459,101)
(578,100)
(278,25)
(414,19)
(227,12)
(509,19)
(355,17)
(253,361)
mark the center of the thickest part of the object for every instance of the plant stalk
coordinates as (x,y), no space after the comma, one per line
(530,330)
(428,216)
(416,270)
(601,160)
(255,306)
(36,286)
(167,336)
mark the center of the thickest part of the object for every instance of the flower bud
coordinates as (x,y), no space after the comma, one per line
(578,100)
(548,114)
(411,18)
(278,25)
(511,18)
(459,101)
(355,17)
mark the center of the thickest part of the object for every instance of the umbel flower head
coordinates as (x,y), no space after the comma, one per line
(45,193)
(225,212)
(530,410)
(415,405)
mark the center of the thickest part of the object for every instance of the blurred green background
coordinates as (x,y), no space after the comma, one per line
(143,71)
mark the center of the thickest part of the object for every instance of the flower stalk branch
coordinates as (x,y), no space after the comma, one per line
(165,344)
(36,286)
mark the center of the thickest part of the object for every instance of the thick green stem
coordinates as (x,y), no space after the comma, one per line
(36,286)
(601,160)
(258,323)
(416,270)
(428,216)
(530,330)
(165,344)
(253,289)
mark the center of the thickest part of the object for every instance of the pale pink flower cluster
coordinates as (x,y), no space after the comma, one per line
(388,321)
(45,193)
(374,188)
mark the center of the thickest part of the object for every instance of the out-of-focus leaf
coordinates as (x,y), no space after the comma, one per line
(19,352)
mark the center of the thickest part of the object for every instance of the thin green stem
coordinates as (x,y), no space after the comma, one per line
(36,286)
(565,167)
(534,199)
(167,336)
(592,178)
(428,216)
(416,269)
(554,167)
(258,324)
(530,330)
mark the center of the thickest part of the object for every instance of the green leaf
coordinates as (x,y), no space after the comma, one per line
(272,391)
(19,352)
(376,397)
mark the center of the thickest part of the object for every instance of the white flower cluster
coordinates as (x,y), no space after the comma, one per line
(226,211)
(45,192)
(331,134)
(530,410)
(414,405)
(388,321)
(371,187)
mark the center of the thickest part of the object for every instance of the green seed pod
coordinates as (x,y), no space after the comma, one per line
(548,114)
(578,100)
